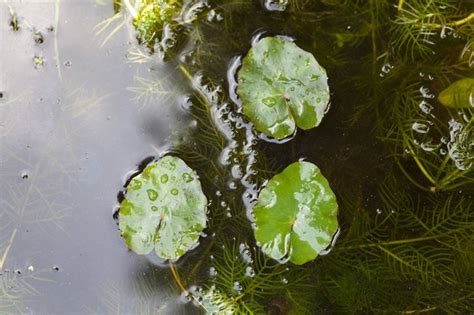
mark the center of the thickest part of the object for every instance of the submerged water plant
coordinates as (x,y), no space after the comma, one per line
(404,210)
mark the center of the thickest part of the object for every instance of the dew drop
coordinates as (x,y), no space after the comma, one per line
(187,177)
(152,194)
(269,101)
(164,179)
(136,184)
(154,208)
(174,191)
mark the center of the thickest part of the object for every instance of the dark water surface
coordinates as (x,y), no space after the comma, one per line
(74,128)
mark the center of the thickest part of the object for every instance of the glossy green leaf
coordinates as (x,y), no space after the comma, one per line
(296,214)
(164,209)
(459,94)
(281,87)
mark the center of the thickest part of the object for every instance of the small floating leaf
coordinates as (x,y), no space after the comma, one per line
(164,209)
(296,214)
(281,86)
(459,94)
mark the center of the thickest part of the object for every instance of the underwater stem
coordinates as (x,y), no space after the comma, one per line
(56,48)
(455,23)
(420,165)
(396,242)
(400,5)
(206,251)
(9,245)
(177,278)
(186,72)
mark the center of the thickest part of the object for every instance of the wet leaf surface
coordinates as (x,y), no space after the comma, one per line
(296,214)
(282,86)
(164,209)
(459,94)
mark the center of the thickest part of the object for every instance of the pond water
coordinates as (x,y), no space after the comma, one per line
(84,106)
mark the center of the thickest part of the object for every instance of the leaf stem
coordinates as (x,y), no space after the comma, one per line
(7,249)
(400,4)
(177,278)
(460,22)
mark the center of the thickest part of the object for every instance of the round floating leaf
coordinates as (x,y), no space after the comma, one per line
(281,86)
(164,208)
(459,94)
(296,214)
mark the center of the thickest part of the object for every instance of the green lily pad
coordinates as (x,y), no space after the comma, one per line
(164,209)
(296,214)
(459,94)
(281,87)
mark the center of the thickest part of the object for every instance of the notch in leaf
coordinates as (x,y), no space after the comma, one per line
(281,87)
(296,214)
(164,209)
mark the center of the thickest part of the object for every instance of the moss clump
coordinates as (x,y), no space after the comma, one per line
(155,23)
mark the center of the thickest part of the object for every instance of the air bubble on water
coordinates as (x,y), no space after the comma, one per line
(25,174)
(237,287)
(232,185)
(236,171)
(275,5)
(249,272)
(429,147)
(245,253)
(425,107)
(379,211)
(212,272)
(68,64)
(425,92)
(386,68)
(213,16)
(420,127)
